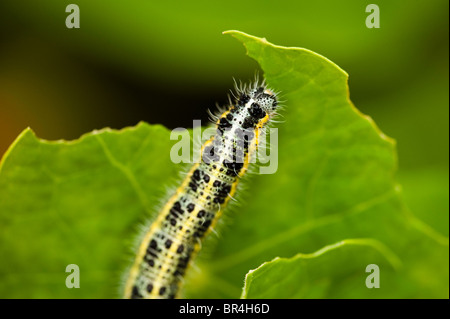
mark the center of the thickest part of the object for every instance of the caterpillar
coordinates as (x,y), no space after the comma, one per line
(175,236)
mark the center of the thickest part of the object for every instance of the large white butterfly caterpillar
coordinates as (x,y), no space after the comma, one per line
(174,237)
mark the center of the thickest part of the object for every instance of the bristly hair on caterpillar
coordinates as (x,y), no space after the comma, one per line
(168,246)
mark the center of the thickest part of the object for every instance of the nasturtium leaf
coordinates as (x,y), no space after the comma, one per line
(349,261)
(77,203)
(335,180)
(81,202)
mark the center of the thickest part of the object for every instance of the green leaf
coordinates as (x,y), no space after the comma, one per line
(328,271)
(76,202)
(335,180)
(80,203)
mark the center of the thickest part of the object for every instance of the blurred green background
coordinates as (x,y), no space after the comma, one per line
(167,62)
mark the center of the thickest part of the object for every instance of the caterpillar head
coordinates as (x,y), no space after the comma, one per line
(260,101)
(265,98)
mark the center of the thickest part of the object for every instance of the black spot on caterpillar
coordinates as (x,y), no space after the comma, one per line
(174,237)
